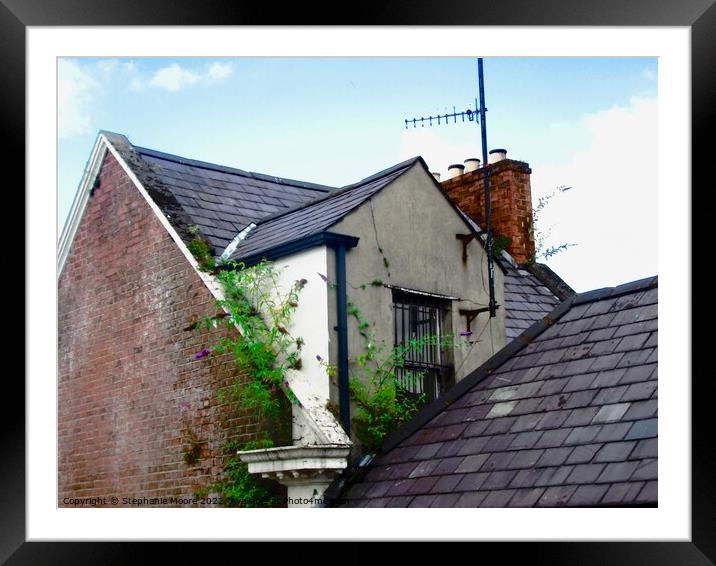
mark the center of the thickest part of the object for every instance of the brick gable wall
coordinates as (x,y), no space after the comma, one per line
(132,400)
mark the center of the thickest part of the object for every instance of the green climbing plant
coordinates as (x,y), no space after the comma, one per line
(383,402)
(265,350)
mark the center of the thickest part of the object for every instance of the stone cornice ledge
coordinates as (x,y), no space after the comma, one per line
(306,470)
(297,462)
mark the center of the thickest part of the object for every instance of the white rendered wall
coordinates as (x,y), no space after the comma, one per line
(310,320)
(313,423)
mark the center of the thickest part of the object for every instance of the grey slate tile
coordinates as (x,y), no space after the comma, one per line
(423,501)
(501,442)
(445,500)
(643,429)
(622,493)
(585,473)
(447,484)
(555,456)
(615,451)
(642,410)
(553,438)
(499,498)
(472,463)
(617,472)
(526,478)
(525,458)
(587,495)
(525,440)
(647,470)
(424,468)
(581,417)
(646,448)
(471,499)
(648,494)
(610,395)
(554,476)
(472,482)
(422,486)
(606,362)
(556,496)
(613,432)
(526,497)
(583,453)
(635,358)
(448,465)
(498,461)
(401,501)
(611,413)
(639,391)
(553,419)
(583,434)
(499,479)
(636,374)
(608,378)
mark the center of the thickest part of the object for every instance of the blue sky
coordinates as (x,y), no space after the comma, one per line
(589,123)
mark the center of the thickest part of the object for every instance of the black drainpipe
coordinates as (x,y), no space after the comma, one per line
(342,243)
(342,328)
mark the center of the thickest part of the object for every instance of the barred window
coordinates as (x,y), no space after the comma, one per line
(422,319)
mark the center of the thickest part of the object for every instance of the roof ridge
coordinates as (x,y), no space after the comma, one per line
(226,169)
(463,386)
(605,292)
(385,172)
(338,192)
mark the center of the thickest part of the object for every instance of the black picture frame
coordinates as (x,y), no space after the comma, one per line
(699,16)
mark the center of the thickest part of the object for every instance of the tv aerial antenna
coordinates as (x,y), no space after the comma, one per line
(478,116)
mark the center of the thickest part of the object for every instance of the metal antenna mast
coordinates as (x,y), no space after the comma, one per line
(472,115)
(483,135)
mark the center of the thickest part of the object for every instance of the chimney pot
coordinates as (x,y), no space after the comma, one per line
(455,170)
(436,174)
(472,164)
(497,155)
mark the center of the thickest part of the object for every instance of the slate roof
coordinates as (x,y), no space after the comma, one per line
(220,200)
(527,300)
(316,216)
(565,415)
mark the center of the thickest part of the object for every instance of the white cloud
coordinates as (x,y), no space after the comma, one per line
(438,149)
(219,71)
(611,211)
(648,74)
(173,78)
(77,90)
(136,84)
(107,66)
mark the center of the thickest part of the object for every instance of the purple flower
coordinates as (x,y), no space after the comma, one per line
(202,354)
(466,333)
(323,277)
(319,358)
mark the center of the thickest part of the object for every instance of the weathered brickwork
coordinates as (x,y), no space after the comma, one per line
(132,398)
(510,203)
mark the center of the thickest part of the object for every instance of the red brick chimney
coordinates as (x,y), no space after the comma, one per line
(510,200)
